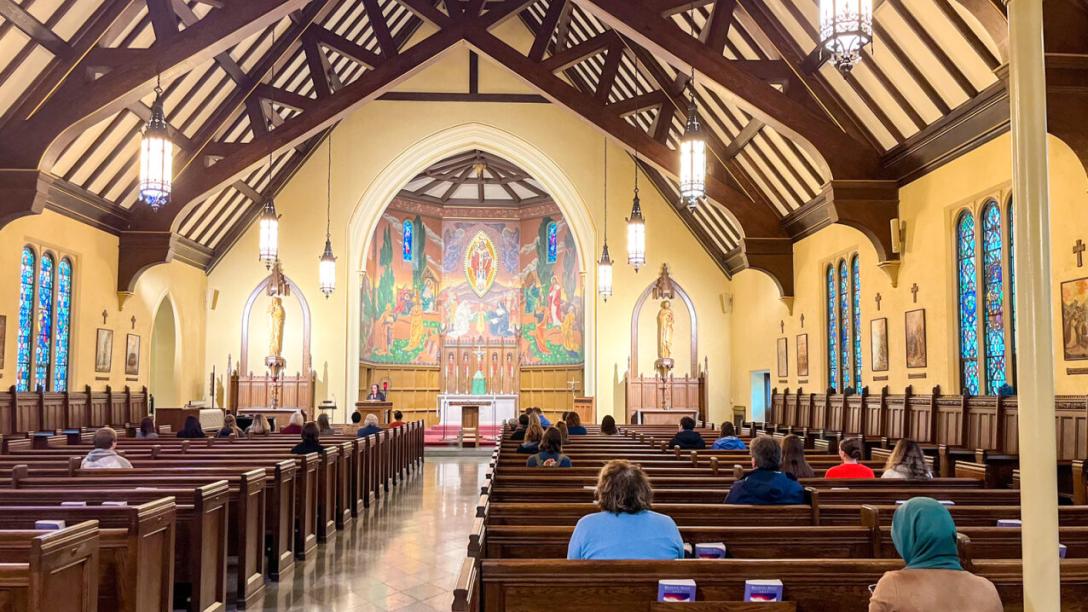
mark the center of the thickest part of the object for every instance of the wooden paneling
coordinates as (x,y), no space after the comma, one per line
(549,388)
(252,391)
(33,411)
(412,389)
(685,393)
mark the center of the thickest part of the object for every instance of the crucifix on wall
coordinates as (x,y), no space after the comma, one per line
(1078,250)
(782,327)
(802,321)
(105,315)
(877,297)
(914,292)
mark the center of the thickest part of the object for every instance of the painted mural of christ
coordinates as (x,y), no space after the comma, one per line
(555,303)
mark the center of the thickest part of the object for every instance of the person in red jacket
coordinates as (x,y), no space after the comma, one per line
(850,450)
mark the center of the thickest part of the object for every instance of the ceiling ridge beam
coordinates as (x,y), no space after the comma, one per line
(37,31)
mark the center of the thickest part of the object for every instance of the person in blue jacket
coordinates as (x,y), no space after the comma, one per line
(370,426)
(687,438)
(766,485)
(729,439)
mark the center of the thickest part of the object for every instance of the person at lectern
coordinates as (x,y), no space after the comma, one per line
(375,394)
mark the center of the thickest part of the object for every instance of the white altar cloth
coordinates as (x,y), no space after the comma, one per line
(494,409)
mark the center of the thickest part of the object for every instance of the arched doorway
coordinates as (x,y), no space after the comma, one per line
(163,383)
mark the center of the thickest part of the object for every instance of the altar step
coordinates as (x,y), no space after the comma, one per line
(436,435)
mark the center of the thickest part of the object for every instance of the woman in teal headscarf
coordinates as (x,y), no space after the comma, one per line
(925,536)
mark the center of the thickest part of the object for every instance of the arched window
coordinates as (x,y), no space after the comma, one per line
(64,325)
(832,332)
(27,269)
(553,242)
(847,366)
(43,346)
(407,236)
(855,331)
(967,302)
(994,297)
(1012,296)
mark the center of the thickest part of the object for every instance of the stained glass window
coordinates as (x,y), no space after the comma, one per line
(44,321)
(26,319)
(553,241)
(832,332)
(64,325)
(994,296)
(844,327)
(855,274)
(968,303)
(1012,293)
(407,234)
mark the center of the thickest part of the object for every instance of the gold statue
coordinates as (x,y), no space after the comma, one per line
(664,331)
(275,321)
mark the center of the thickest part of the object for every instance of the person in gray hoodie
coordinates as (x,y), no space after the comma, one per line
(104,456)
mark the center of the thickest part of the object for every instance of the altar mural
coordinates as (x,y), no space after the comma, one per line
(509,286)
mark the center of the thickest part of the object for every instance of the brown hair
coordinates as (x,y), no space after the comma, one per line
(563,431)
(310,432)
(147,425)
(908,454)
(793,458)
(852,448)
(105,438)
(573,420)
(608,425)
(728,429)
(535,431)
(552,440)
(622,486)
(687,423)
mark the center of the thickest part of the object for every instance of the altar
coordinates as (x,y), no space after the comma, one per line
(493,409)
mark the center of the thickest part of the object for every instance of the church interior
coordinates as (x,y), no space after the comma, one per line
(311,275)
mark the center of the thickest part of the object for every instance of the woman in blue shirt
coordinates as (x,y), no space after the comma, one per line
(550,454)
(574,425)
(729,439)
(626,527)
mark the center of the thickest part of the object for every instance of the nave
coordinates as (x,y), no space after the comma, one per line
(404,554)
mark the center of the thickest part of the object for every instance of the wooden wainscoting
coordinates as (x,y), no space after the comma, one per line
(412,389)
(546,387)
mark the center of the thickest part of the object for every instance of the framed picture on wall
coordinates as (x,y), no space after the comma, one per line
(802,354)
(1075,319)
(878,344)
(783,358)
(915,323)
(3,338)
(103,350)
(132,355)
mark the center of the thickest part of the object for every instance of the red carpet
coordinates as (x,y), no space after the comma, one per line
(436,436)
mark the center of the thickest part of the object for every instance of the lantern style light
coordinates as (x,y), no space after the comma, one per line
(326,272)
(156,157)
(846,26)
(269,245)
(636,233)
(604,265)
(693,158)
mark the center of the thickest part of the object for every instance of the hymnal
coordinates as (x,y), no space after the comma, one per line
(74,503)
(676,590)
(710,550)
(50,525)
(762,590)
(1062,550)
(1008,522)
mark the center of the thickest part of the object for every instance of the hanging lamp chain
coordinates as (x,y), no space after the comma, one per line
(328,195)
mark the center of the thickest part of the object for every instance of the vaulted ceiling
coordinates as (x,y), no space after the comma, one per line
(252,86)
(475,178)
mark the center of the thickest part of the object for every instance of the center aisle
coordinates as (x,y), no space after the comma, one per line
(403,555)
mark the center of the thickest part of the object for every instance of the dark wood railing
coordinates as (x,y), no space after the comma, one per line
(39,410)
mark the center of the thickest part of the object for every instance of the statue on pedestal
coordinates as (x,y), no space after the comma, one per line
(276,316)
(665,320)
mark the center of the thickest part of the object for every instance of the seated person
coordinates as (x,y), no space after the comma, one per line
(375,395)
(147,429)
(530,445)
(523,424)
(550,454)
(850,451)
(574,424)
(191,428)
(398,419)
(563,431)
(230,426)
(544,422)
(323,426)
(729,439)
(687,438)
(105,456)
(626,527)
(907,461)
(608,426)
(259,426)
(766,485)
(370,426)
(294,424)
(925,536)
(793,458)
(310,436)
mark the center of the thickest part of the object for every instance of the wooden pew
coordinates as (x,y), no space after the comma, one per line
(136,549)
(53,571)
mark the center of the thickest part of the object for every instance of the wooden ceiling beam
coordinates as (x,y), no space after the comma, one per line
(639,103)
(343,46)
(543,37)
(36,30)
(578,53)
(380,28)
(841,155)
(991,14)
(746,134)
(667,8)
(716,32)
(950,65)
(164,21)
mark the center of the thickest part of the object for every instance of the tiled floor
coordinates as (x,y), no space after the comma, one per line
(404,554)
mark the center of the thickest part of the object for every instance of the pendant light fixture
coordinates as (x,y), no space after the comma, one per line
(327,266)
(156,156)
(604,266)
(636,228)
(692,148)
(268,246)
(846,26)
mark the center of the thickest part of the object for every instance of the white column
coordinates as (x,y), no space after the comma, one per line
(1034,330)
